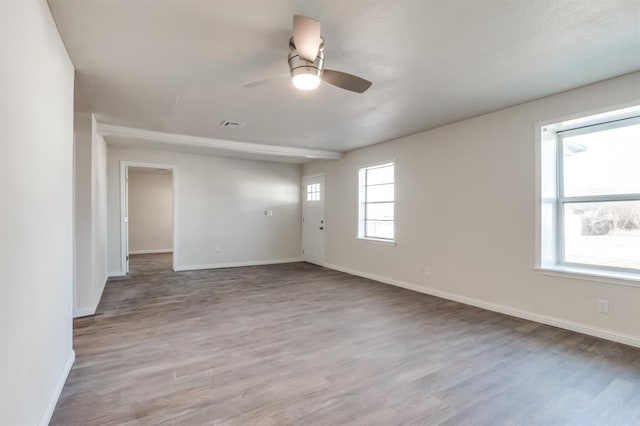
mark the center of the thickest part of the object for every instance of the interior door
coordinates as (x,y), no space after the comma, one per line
(313,224)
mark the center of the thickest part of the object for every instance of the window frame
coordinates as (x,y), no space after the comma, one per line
(362,203)
(550,199)
(563,200)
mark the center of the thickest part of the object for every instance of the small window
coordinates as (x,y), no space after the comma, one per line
(313,192)
(377,202)
(591,195)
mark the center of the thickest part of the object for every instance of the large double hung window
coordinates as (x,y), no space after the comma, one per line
(590,195)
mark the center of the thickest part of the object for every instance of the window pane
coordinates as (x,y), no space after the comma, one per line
(605,233)
(378,211)
(601,163)
(380,175)
(313,192)
(377,229)
(380,193)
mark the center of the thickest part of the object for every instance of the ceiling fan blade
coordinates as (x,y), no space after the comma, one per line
(346,81)
(263,81)
(306,37)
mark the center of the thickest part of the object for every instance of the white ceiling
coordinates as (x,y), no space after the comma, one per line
(177,66)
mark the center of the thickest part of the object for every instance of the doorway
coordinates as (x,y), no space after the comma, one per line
(147,216)
(313,223)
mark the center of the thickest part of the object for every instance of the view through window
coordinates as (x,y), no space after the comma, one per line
(599,195)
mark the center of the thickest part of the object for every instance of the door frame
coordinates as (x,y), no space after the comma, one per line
(124,230)
(303,191)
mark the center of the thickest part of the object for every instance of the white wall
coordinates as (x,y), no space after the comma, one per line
(36,213)
(465,208)
(220,209)
(90,206)
(83,276)
(98,212)
(150,211)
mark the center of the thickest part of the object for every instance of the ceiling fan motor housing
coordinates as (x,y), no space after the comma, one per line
(297,65)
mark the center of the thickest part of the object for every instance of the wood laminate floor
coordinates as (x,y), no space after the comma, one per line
(299,344)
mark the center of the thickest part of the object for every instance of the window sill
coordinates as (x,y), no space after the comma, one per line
(391,243)
(628,279)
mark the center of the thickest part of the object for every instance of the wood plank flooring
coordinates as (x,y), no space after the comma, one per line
(299,344)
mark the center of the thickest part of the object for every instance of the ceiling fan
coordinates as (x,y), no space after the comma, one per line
(306,61)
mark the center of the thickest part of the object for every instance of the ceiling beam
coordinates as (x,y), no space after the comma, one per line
(221,144)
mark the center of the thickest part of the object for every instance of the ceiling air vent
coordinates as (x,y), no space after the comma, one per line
(231,124)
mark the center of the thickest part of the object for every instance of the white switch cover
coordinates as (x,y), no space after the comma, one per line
(603,306)
(268,212)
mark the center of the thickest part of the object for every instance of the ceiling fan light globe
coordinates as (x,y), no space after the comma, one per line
(306,81)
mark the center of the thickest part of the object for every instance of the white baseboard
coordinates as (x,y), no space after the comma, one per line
(115,274)
(98,297)
(84,312)
(531,316)
(152,251)
(236,264)
(53,401)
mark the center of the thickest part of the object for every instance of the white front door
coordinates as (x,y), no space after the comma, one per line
(313,226)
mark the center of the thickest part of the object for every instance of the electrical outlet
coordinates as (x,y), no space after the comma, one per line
(218,248)
(426,270)
(603,306)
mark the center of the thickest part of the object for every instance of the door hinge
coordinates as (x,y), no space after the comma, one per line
(127,258)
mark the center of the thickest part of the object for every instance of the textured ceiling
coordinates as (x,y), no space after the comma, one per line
(178,65)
